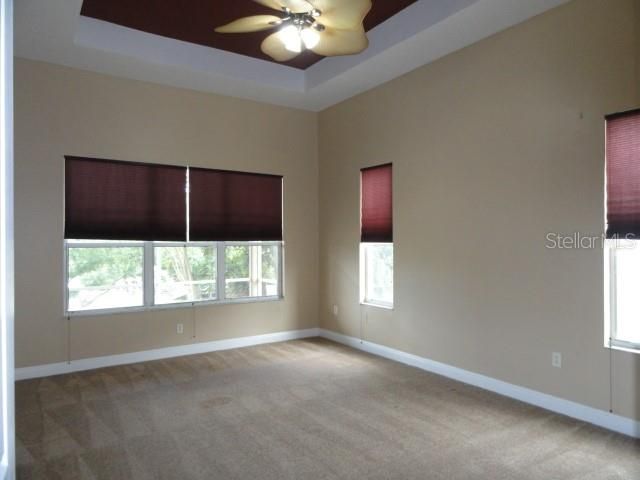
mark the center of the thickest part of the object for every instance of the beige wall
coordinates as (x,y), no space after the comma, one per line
(63,111)
(493,147)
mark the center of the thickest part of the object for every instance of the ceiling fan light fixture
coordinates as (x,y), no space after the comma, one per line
(290,37)
(310,37)
(301,26)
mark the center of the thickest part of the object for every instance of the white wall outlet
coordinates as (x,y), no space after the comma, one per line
(556,359)
(180,328)
(335,310)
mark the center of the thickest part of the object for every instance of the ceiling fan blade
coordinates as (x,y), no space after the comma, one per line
(295,6)
(274,47)
(250,24)
(334,42)
(298,6)
(275,4)
(342,14)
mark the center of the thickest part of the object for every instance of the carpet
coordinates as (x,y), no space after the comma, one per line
(306,409)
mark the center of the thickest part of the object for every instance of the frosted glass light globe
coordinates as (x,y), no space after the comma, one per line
(291,39)
(310,37)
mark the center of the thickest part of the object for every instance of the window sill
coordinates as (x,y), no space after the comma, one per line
(172,306)
(624,348)
(377,305)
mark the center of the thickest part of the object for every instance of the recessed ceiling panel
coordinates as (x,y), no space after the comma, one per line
(194,21)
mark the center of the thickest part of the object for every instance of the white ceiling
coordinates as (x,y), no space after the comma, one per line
(53,31)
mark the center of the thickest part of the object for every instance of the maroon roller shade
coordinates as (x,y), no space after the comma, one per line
(113,200)
(376,224)
(241,206)
(623,175)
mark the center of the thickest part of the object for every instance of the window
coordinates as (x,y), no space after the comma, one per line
(104,276)
(624,262)
(376,236)
(157,235)
(377,266)
(622,252)
(184,273)
(119,275)
(251,271)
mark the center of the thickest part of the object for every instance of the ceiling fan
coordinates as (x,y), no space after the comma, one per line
(328,27)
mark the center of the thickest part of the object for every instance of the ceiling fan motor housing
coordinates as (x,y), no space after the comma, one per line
(302,20)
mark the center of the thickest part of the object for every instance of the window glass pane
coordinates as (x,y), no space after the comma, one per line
(184,274)
(105,277)
(627,299)
(378,276)
(268,280)
(237,271)
(251,271)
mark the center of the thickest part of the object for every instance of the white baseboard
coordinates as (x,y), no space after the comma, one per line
(601,418)
(575,410)
(38,371)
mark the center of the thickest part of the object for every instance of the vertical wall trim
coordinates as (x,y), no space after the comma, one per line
(7,461)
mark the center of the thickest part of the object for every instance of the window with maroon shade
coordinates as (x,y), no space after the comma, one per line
(376,236)
(376,217)
(239,206)
(623,175)
(623,230)
(128,243)
(113,200)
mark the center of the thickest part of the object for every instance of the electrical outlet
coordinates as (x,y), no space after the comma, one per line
(180,328)
(556,359)
(335,310)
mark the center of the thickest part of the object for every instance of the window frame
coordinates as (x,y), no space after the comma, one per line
(611,320)
(363,277)
(149,280)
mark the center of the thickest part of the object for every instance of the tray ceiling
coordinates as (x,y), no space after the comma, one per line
(194,21)
(420,32)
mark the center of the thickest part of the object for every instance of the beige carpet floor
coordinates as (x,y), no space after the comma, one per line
(308,409)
